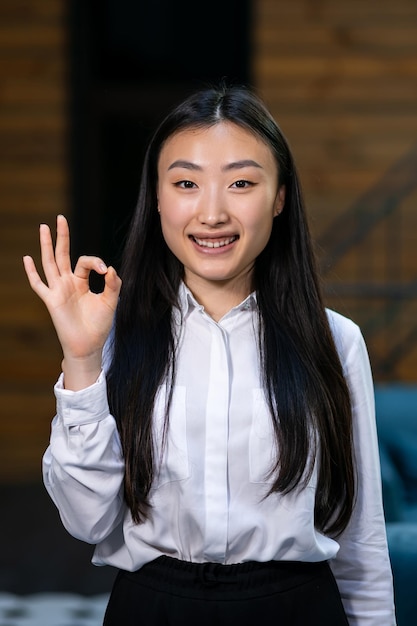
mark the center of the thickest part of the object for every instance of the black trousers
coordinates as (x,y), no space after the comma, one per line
(168,592)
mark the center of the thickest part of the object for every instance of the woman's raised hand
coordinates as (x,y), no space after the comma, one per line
(82,319)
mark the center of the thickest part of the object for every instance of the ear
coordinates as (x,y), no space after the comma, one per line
(279,200)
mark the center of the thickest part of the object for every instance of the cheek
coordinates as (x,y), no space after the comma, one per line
(174,208)
(259,229)
(173,220)
(172,230)
(168,209)
(168,227)
(259,221)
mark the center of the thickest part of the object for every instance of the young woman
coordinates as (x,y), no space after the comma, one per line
(215,433)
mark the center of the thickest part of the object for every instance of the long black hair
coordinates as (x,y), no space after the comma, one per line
(302,373)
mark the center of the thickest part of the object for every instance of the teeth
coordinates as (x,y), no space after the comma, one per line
(205,243)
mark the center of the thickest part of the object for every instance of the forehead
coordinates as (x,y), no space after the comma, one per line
(223,141)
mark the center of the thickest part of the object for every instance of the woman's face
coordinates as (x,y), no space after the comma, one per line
(217,196)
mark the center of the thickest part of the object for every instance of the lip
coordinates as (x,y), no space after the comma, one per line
(213,245)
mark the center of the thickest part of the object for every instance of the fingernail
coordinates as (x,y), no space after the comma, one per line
(103,267)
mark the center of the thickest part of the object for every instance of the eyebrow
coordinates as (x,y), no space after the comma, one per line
(235,165)
(188,165)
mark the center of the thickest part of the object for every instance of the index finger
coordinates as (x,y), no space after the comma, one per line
(35,280)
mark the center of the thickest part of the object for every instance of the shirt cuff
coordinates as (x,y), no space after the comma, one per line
(86,406)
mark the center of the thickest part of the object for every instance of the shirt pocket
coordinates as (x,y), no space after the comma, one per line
(262,441)
(171,460)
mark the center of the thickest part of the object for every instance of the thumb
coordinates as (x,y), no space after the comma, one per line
(112,284)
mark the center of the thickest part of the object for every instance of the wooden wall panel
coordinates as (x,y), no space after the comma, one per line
(33,189)
(341,79)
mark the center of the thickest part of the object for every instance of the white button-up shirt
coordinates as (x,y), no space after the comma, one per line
(208,498)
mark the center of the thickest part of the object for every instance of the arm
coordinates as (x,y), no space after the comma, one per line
(83,466)
(362,568)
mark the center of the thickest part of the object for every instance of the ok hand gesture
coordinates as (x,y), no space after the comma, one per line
(82,319)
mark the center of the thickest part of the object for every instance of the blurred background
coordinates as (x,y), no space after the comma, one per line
(83,84)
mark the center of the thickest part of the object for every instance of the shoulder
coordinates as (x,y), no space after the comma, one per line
(346,333)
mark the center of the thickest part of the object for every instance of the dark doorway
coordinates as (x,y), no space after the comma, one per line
(130,62)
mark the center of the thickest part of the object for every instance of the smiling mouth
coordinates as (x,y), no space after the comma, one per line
(218,243)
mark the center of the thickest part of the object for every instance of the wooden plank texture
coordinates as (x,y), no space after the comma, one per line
(33,189)
(341,80)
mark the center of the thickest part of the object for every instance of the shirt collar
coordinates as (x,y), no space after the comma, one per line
(188,303)
(186,300)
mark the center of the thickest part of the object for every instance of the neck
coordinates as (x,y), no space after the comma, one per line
(219,297)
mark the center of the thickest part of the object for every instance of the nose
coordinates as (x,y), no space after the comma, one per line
(212,208)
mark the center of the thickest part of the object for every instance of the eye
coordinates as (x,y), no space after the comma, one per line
(242,184)
(185,184)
